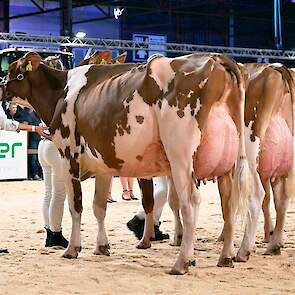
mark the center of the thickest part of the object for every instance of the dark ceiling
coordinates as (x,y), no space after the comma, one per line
(195,21)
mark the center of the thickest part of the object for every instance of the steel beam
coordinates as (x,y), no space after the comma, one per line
(81,4)
(37,5)
(66,17)
(92,20)
(133,45)
(4,14)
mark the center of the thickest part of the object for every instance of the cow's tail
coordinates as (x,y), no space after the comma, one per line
(289,80)
(242,180)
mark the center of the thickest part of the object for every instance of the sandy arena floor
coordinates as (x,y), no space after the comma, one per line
(32,269)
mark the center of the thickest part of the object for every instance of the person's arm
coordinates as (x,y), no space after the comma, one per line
(11,125)
(32,128)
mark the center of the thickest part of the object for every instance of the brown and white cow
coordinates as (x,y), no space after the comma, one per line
(269,120)
(173,116)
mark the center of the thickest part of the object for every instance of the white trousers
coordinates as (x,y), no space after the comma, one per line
(55,194)
(160,199)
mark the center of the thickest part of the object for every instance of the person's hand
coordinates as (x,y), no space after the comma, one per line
(41,130)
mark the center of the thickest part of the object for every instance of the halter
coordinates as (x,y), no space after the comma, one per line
(4,82)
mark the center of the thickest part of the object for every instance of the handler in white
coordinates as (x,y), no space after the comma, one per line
(55,193)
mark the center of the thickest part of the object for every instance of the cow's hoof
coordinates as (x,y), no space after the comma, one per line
(225,262)
(242,258)
(72,253)
(102,250)
(176,241)
(144,244)
(275,250)
(179,270)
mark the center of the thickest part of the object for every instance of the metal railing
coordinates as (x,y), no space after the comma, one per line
(74,42)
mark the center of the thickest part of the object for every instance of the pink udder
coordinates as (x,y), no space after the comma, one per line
(275,156)
(219,146)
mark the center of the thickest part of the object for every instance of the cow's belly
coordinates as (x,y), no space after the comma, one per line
(151,161)
(275,155)
(219,145)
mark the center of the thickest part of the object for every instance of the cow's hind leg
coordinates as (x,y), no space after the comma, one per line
(255,205)
(188,202)
(102,185)
(147,189)
(225,187)
(175,207)
(281,204)
(268,226)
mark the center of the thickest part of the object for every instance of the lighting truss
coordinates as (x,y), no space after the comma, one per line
(74,42)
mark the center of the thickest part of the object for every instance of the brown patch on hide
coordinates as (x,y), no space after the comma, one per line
(139,158)
(77,195)
(139,119)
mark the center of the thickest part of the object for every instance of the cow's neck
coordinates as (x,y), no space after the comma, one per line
(47,88)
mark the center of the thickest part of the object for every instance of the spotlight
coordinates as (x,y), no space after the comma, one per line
(80,35)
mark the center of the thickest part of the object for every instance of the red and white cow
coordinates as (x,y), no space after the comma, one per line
(182,117)
(270,146)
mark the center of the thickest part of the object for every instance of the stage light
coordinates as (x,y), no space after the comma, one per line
(80,35)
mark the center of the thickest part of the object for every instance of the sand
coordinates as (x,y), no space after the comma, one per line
(30,268)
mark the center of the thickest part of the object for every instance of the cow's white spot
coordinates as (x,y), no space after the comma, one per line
(276,64)
(252,148)
(190,93)
(162,73)
(203,83)
(180,138)
(128,146)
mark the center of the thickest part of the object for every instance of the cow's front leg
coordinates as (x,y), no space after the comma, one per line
(147,189)
(102,185)
(74,192)
(175,207)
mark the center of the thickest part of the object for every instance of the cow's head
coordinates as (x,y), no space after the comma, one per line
(18,78)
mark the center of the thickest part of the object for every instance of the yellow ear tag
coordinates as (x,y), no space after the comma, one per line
(103,62)
(29,67)
(117,62)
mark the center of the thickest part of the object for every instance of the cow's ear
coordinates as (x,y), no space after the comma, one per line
(31,61)
(94,58)
(120,59)
(84,62)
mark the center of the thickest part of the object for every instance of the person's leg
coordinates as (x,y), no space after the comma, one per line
(110,198)
(136,224)
(33,162)
(130,188)
(56,207)
(160,196)
(48,191)
(125,194)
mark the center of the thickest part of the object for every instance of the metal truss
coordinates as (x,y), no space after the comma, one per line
(50,40)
